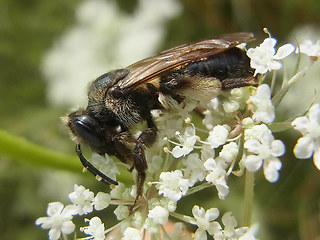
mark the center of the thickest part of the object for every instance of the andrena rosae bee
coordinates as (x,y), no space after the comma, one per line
(119,99)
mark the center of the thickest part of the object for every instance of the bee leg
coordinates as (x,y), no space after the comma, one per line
(123,152)
(140,164)
(231,83)
(147,138)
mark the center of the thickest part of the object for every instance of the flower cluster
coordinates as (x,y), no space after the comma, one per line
(59,218)
(234,137)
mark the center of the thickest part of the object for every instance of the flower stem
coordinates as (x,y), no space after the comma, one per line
(21,149)
(248,198)
(183,217)
(198,188)
(18,148)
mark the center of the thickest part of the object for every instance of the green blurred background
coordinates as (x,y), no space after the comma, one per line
(288,209)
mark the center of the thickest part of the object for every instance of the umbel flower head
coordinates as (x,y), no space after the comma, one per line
(234,138)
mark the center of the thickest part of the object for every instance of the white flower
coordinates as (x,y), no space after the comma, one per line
(210,118)
(236,100)
(194,171)
(264,150)
(118,191)
(95,229)
(172,185)
(101,201)
(218,136)
(188,141)
(58,220)
(105,164)
(263,110)
(255,131)
(159,215)
(230,231)
(138,219)
(82,198)
(228,153)
(309,48)
(151,227)
(205,220)
(309,143)
(132,234)
(163,202)
(121,212)
(247,123)
(264,57)
(217,176)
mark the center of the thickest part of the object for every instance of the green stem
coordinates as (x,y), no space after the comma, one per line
(20,149)
(198,188)
(183,218)
(248,198)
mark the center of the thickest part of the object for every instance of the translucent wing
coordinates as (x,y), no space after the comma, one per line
(150,68)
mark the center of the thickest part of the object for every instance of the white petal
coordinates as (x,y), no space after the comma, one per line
(190,131)
(274,65)
(316,158)
(277,148)
(222,188)
(274,162)
(229,220)
(159,215)
(253,163)
(268,43)
(259,69)
(200,234)
(212,214)
(210,164)
(68,211)
(178,152)
(303,148)
(300,123)
(264,91)
(284,51)
(67,227)
(54,208)
(132,234)
(44,222)
(214,228)
(270,171)
(198,211)
(314,113)
(252,145)
(102,201)
(264,116)
(54,233)
(267,138)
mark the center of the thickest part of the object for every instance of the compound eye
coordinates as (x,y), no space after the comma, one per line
(86,128)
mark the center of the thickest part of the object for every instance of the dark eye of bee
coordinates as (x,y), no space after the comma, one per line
(86,126)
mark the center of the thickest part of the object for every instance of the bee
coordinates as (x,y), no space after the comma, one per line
(121,98)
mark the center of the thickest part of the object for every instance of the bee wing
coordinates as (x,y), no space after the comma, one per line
(150,68)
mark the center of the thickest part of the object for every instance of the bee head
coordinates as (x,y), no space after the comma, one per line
(84,128)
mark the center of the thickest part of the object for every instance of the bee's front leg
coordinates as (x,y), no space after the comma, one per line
(123,152)
(147,138)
